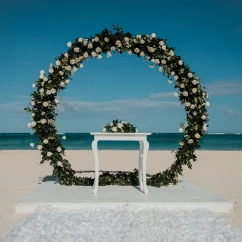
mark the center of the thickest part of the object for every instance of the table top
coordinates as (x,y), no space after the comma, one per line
(119,134)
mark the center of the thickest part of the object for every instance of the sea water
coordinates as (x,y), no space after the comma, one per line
(157,141)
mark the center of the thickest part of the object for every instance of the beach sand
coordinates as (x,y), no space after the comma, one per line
(218,171)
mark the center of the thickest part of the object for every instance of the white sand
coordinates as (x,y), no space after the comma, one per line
(219,171)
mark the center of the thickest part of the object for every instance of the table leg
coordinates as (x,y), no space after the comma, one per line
(145,152)
(96,180)
(141,151)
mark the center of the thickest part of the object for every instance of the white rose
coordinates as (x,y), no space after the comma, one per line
(69,44)
(45,141)
(163,62)
(62,84)
(160,69)
(182,85)
(96,39)
(99,57)
(197,136)
(81,66)
(138,36)
(56,101)
(207,104)
(142,53)
(66,55)
(114,129)
(49,154)
(173,73)
(32,145)
(181,130)
(89,46)
(59,163)
(194,90)
(161,43)
(176,77)
(48,92)
(33,85)
(180,62)
(43,113)
(45,104)
(136,50)
(43,121)
(170,81)
(64,137)
(57,63)
(188,104)
(94,54)
(80,40)
(85,54)
(41,76)
(76,49)
(163,47)
(98,49)
(58,149)
(204,117)
(172,53)
(193,106)
(151,49)
(42,72)
(51,70)
(39,147)
(205,127)
(29,125)
(130,52)
(61,73)
(41,90)
(33,114)
(153,35)
(142,41)
(185,93)
(176,94)
(106,39)
(104,130)
(157,61)
(190,141)
(194,113)
(53,91)
(113,48)
(126,39)
(118,43)
(67,82)
(194,82)
(33,124)
(32,103)
(190,75)
(120,125)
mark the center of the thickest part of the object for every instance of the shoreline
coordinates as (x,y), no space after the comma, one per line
(217,171)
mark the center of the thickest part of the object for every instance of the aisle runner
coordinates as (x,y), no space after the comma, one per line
(124,223)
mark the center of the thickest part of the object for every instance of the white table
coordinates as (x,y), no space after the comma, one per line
(144,147)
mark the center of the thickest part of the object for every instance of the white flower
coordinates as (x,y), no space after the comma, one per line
(130,52)
(138,36)
(53,91)
(157,61)
(42,72)
(185,93)
(136,50)
(51,70)
(181,130)
(197,136)
(176,77)
(43,121)
(41,77)
(89,46)
(45,104)
(58,149)
(59,163)
(98,49)
(104,130)
(69,44)
(111,124)
(81,66)
(153,35)
(142,53)
(80,40)
(163,62)
(64,137)
(32,103)
(142,41)
(161,43)
(85,54)
(29,125)
(94,54)
(188,104)
(66,55)
(61,73)
(151,49)
(96,39)
(120,125)
(32,145)
(172,53)
(207,104)
(180,62)
(62,84)
(193,106)
(76,49)
(41,90)
(118,43)
(99,57)
(176,94)
(48,92)
(33,124)
(160,69)
(33,114)
(126,39)
(163,47)
(56,101)
(113,48)
(170,81)
(43,113)
(182,85)
(194,113)
(45,141)
(33,85)
(49,154)
(106,39)
(39,147)
(190,141)
(173,73)
(190,75)
(194,82)
(181,143)
(67,82)
(205,127)
(194,90)
(204,117)
(114,129)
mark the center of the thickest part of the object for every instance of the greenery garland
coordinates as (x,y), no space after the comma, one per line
(189,90)
(119,126)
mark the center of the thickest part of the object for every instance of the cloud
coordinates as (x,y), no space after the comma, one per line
(230,112)
(11,108)
(222,88)
(238,30)
(162,95)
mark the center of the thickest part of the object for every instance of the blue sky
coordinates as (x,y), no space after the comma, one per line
(206,34)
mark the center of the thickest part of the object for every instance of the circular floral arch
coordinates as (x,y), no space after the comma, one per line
(44,101)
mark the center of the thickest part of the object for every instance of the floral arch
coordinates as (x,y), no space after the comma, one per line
(44,101)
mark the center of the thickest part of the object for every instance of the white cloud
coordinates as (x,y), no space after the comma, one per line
(13,108)
(162,95)
(222,88)
(230,112)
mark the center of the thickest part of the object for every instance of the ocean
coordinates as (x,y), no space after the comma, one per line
(157,141)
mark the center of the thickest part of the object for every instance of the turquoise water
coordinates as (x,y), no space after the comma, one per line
(157,141)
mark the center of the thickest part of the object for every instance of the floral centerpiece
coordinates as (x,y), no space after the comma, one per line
(119,126)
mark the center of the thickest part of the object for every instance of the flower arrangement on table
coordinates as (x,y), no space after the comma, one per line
(119,126)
